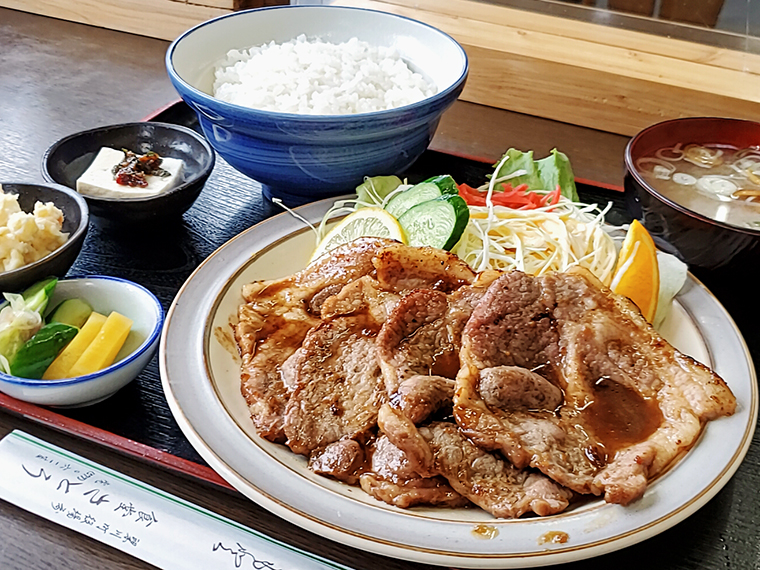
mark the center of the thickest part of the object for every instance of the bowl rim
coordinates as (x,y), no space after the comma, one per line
(168,126)
(139,351)
(74,236)
(456,84)
(633,171)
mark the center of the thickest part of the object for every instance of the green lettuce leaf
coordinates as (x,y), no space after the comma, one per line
(542,174)
(555,169)
(374,190)
(519,161)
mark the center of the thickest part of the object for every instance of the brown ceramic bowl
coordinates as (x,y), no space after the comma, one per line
(697,239)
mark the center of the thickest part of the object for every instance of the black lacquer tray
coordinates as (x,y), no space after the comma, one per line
(137,420)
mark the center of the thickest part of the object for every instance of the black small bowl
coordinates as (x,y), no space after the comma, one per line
(75,222)
(66,160)
(700,241)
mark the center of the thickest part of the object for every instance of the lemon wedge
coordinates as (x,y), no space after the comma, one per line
(365,222)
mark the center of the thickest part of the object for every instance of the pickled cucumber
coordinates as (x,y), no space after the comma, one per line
(74,312)
(36,354)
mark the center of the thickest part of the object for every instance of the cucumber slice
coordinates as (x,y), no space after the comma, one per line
(437,223)
(403,201)
(74,312)
(445,182)
(38,295)
(33,358)
(430,189)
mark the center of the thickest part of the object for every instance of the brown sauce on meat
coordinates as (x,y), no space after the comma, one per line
(336,409)
(553,537)
(272,324)
(445,363)
(275,288)
(226,339)
(449,284)
(619,416)
(370,329)
(314,306)
(485,531)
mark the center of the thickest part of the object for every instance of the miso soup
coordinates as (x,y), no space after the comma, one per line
(718,181)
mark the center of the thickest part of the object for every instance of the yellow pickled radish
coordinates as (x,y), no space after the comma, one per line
(60,367)
(104,347)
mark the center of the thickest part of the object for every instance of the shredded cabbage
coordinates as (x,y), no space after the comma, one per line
(553,238)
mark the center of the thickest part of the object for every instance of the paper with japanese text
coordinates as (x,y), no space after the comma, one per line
(134,517)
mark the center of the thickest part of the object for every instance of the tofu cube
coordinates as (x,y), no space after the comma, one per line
(98,180)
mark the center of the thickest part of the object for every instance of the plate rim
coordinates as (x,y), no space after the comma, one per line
(408,552)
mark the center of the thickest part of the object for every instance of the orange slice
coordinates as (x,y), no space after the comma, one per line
(637,274)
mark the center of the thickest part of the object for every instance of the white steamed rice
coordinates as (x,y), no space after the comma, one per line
(313,77)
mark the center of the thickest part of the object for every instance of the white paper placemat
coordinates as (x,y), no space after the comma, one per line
(132,516)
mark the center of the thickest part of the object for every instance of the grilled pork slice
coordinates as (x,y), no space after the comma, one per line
(421,338)
(336,384)
(420,396)
(333,379)
(561,374)
(434,491)
(414,340)
(402,268)
(343,460)
(365,295)
(275,318)
(392,480)
(492,483)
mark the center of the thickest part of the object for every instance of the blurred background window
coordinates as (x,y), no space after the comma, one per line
(733,24)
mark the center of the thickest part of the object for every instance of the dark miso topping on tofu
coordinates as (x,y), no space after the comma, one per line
(134,169)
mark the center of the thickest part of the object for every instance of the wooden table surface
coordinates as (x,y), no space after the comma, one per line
(58,77)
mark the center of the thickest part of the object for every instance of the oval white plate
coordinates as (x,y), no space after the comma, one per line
(200,375)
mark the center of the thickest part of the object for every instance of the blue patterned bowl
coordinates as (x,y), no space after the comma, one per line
(300,158)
